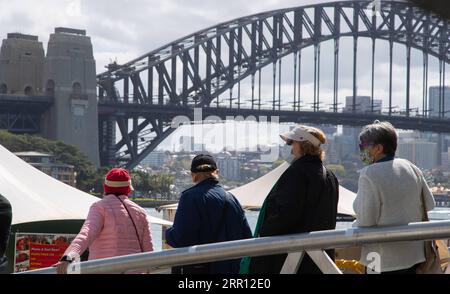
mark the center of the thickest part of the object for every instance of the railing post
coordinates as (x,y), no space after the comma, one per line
(292,262)
(324,262)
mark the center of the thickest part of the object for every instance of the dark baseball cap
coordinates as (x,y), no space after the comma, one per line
(203,163)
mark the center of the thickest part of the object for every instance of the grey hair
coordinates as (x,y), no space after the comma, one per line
(382,133)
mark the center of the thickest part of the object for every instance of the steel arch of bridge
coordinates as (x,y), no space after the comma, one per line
(210,62)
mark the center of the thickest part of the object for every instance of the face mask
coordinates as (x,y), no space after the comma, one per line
(290,159)
(366,158)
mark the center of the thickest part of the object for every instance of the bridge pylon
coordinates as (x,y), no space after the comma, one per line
(70,76)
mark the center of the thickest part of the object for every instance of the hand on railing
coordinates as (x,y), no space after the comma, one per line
(61,267)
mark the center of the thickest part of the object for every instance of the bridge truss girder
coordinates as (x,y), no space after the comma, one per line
(194,71)
(23,114)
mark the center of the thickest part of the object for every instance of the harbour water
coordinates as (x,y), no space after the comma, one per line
(252,217)
(156,230)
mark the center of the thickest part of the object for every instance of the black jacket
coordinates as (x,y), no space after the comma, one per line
(201,219)
(5,227)
(304,199)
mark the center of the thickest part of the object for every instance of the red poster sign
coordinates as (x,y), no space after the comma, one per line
(43,255)
(34,251)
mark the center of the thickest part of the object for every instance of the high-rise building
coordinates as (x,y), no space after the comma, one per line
(421,153)
(445,162)
(363,104)
(156,159)
(229,166)
(187,143)
(331,151)
(344,146)
(433,101)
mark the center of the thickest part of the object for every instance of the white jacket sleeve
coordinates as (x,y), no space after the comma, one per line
(428,197)
(367,203)
(430,204)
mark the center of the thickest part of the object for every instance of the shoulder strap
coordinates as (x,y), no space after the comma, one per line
(134,225)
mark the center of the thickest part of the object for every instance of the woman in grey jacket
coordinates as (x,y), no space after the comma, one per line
(391,191)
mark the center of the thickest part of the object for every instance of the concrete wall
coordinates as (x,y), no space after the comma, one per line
(21,64)
(67,73)
(70,67)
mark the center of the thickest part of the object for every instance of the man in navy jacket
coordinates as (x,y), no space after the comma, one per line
(207,214)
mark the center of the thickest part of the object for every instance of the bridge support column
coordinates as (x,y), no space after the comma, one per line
(107,136)
(425,85)
(391,48)
(70,66)
(355,68)
(408,78)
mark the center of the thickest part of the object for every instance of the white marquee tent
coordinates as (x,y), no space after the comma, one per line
(37,197)
(252,195)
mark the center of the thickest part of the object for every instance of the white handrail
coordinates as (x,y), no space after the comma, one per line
(320,240)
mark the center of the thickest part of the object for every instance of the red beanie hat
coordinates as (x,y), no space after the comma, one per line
(118,181)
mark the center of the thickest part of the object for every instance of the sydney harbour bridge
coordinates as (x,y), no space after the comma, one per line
(223,69)
(200,69)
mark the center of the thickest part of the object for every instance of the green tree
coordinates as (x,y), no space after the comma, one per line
(337,169)
(141,181)
(161,184)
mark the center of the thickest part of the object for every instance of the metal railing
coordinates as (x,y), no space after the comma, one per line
(295,245)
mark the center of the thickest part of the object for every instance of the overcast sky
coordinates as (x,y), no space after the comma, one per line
(128,28)
(124,30)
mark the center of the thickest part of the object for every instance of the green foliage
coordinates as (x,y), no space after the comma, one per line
(140,180)
(89,179)
(153,183)
(337,169)
(351,166)
(160,184)
(277,163)
(181,163)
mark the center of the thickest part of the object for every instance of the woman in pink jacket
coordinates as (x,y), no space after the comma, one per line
(114,226)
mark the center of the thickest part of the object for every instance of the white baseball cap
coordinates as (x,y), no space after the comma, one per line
(300,134)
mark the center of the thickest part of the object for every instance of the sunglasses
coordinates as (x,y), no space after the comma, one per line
(363,146)
(289,142)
